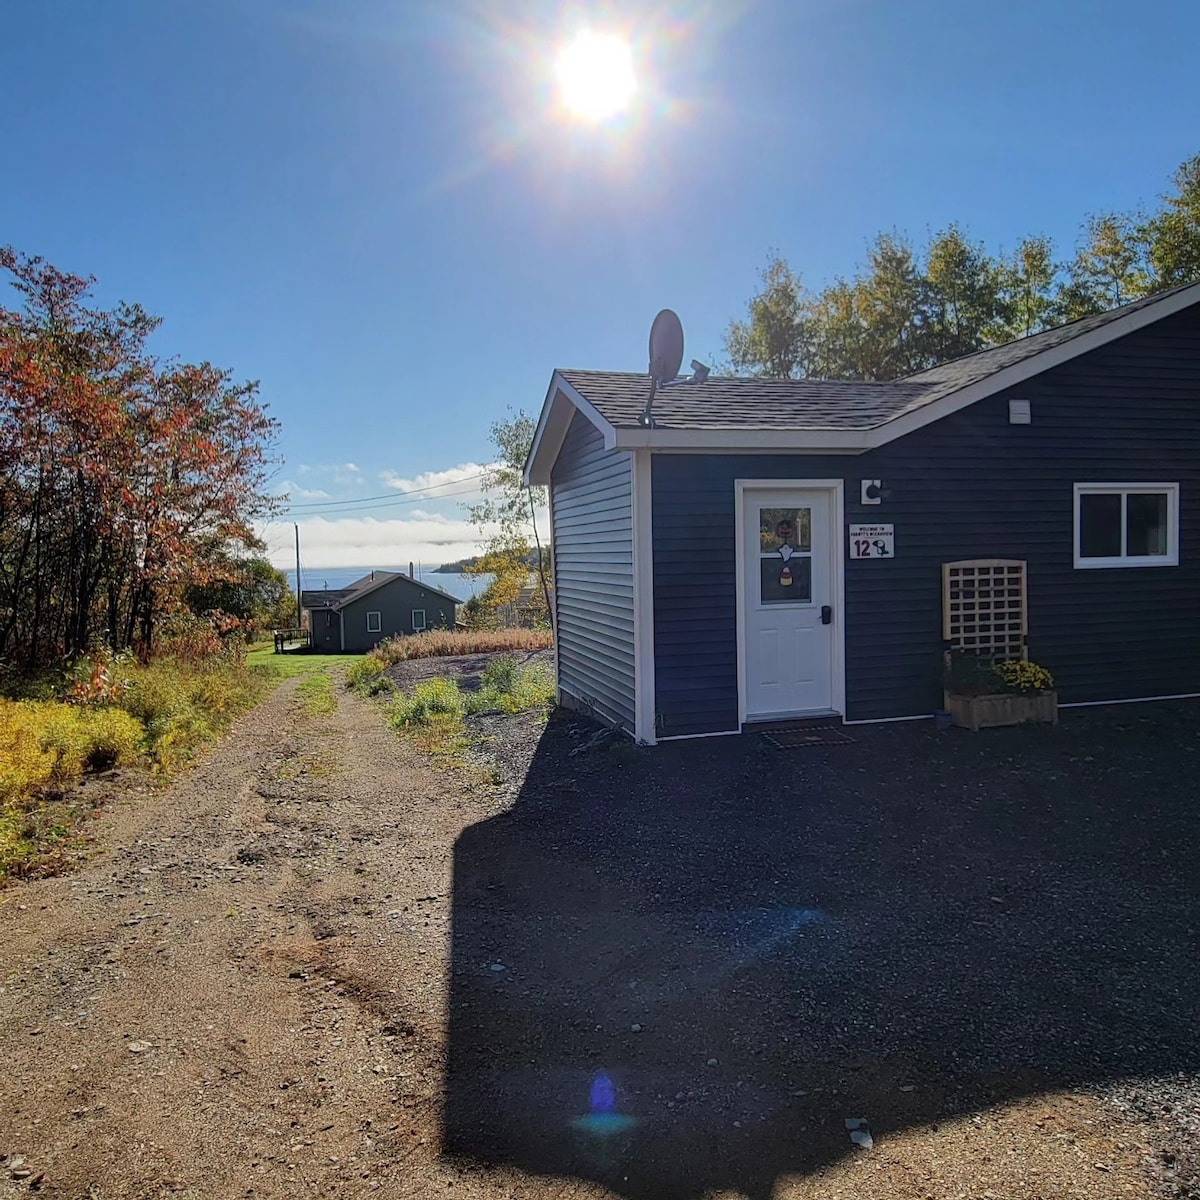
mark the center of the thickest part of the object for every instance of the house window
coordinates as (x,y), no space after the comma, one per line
(418,620)
(374,622)
(1126,524)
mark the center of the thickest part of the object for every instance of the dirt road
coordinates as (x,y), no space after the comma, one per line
(244,994)
(188,1015)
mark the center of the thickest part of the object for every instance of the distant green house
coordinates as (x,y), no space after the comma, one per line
(380,605)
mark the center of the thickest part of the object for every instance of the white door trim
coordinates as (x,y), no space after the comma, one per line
(837,574)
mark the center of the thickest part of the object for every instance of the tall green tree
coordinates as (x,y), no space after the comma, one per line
(891,302)
(1026,290)
(963,296)
(1109,269)
(506,517)
(251,590)
(774,340)
(1172,235)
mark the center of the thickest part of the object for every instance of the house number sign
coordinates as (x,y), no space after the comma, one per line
(872,541)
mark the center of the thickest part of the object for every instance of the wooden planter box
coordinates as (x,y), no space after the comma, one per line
(985,712)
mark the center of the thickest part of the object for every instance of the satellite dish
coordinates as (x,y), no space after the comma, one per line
(666,347)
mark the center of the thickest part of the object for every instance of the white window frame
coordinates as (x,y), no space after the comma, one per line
(423,626)
(1124,490)
(378,626)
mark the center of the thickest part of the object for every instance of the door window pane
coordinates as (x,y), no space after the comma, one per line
(1146,517)
(785,582)
(784,527)
(1100,525)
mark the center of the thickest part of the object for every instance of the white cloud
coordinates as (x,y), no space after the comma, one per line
(344,473)
(428,538)
(442,482)
(296,493)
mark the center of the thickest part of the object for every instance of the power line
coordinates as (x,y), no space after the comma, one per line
(357,508)
(393,497)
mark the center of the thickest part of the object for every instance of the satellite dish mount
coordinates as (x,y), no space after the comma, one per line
(666,355)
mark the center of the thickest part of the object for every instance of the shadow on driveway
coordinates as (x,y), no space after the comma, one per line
(679,970)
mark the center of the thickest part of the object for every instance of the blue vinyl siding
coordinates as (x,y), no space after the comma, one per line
(593,573)
(968,486)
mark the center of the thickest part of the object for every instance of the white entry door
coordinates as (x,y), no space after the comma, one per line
(787,603)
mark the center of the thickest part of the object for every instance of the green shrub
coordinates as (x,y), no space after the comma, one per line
(512,689)
(501,675)
(429,700)
(366,676)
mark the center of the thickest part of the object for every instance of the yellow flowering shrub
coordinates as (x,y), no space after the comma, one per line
(46,746)
(1025,678)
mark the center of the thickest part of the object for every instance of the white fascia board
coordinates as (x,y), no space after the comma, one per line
(562,400)
(734,441)
(1037,364)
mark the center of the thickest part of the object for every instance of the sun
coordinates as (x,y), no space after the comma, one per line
(595,73)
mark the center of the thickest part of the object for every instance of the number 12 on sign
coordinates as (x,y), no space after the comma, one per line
(872,541)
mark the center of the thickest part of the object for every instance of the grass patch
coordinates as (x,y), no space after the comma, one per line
(263,659)
(434,713)
(440,643)
(431,700)
(315,695)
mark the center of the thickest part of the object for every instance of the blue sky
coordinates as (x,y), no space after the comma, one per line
(374,207)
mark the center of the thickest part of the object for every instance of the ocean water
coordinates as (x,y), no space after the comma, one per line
(462,587)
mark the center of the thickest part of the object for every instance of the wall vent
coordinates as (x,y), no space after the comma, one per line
(1020,412)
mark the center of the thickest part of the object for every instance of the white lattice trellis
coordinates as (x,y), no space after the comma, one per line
(983,608)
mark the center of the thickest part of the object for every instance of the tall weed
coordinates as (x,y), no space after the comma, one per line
(437,643)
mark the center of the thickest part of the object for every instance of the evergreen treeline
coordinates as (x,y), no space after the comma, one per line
(910,309)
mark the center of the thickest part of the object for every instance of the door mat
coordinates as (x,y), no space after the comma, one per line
(797,739)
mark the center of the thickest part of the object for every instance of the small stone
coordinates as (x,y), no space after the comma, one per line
(908,1087)
(139,1047)
(497,967)
(712,1062)
(635,1028)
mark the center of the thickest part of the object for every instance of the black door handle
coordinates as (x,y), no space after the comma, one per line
(826,614)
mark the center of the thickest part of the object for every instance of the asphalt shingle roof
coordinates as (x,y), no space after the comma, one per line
(340,597)
(723,402)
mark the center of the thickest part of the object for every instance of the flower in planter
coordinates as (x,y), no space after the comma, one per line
(1023,678)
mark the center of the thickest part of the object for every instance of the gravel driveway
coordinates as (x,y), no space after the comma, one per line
(680,970)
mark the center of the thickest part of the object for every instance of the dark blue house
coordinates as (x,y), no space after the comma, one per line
(768,549)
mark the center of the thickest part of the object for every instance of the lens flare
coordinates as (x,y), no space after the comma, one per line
(595,75)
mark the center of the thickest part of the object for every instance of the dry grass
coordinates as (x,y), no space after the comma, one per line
(440,643)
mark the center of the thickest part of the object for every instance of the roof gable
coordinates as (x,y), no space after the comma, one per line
(340,598)
(365,586)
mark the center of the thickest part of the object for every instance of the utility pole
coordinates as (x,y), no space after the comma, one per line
(297,529)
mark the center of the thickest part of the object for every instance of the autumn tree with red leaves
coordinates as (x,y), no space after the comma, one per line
(123,480)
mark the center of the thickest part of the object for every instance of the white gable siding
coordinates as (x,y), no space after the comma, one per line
(593,573)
